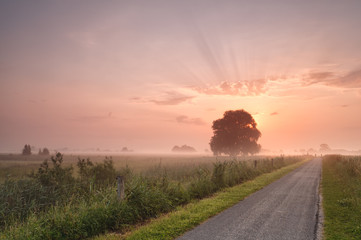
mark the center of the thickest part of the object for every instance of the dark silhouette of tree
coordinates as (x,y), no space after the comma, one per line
(184,148)
(45,151)
(27,150)
(324,147)
(125,149)
(235,133)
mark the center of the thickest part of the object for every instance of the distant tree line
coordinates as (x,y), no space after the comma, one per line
(27,150)
(184,148)
(45,151)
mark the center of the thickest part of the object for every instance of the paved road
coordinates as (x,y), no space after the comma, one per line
(285,209)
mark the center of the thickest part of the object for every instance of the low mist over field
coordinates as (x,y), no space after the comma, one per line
(132,77)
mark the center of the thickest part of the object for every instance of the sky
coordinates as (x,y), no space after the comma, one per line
(149,75)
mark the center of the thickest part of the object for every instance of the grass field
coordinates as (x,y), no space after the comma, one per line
(185,218)
(341,187)
(18,166)
(73,198)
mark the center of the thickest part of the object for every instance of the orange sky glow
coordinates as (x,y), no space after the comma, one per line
(149,75)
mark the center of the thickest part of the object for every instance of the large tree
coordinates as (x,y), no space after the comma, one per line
(235,133)
(324,147)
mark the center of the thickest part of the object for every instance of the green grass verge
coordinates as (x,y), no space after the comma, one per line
(185,218)
(341,190)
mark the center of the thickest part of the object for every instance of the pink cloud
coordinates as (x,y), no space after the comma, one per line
(168,98)
(244,88)
(188,120)
(350,80)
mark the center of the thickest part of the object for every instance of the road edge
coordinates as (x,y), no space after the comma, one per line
(319,213)
(158,227)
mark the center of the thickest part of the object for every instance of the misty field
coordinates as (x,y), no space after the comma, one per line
(17,166)
(341,187)
(74,197)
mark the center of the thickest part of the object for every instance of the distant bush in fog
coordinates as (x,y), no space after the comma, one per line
(184,148)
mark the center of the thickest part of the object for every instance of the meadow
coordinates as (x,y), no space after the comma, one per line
(341,190)
(74,197)
(17,166)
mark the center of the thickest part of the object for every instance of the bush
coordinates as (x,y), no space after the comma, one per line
(57,176)
(101,173)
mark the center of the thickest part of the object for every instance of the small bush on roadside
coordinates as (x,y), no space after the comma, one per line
(100,173)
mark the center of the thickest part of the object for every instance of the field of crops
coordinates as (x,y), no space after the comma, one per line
(71,197)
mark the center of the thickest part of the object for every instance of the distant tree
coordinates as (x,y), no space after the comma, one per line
(27,150)
(184,148)
(125,149)
(46,151)
(324,147)
(235,133)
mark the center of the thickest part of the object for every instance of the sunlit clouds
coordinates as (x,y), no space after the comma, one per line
(152,74)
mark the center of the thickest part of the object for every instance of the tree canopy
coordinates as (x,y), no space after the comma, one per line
(324,147)
(27,150)
(235,133)
(184,148)
(45,151)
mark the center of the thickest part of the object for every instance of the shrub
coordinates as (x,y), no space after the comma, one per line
(102,174)
(56,176)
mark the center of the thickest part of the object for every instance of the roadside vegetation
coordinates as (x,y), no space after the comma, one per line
(59,201)
(185,218)
(341,187)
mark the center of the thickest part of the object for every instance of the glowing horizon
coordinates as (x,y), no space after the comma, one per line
(151,75)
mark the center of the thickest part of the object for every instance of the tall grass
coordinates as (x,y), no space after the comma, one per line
(341,183)
(53,204)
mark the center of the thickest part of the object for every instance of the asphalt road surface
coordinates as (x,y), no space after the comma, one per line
(285,209)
